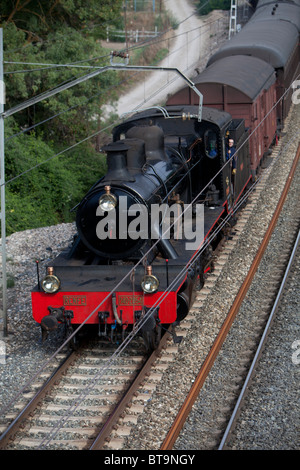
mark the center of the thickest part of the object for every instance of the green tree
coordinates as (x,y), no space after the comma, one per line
(38,18)
(204,7)
(77,109)
(45,195)
(57,32)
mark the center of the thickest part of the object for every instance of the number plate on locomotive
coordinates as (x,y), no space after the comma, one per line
(130,300)
(77,300)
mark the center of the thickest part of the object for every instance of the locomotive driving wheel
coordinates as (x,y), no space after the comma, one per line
(152,338)
(151,330)
(74,341)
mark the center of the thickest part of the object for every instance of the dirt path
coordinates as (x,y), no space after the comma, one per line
(185,52)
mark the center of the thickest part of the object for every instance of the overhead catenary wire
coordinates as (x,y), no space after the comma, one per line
(49,93)
(83,29)
(87,100)
(47,65)
(134,268)
(123,346)
(92,135)
(95,134)
(147,41)
(99,67)
(102,130)
(2,185)
(73,83)
(120,349)
(249,136)
(79,104)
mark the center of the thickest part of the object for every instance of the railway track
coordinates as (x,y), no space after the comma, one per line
(109,430)
(82,402)
(264,319)
(270,318)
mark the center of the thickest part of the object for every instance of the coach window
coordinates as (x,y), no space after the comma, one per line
(211,144)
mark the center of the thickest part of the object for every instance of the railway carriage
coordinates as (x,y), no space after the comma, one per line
(275,40)
(245,87)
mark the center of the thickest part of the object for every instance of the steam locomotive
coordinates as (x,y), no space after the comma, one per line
(144,230)
(122,265)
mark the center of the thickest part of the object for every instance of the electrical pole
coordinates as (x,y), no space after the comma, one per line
(232,21)
(125,22)
(2,183)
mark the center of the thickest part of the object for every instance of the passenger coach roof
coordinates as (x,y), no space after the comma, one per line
(248,75)
(289,12)
(261,3)
(271,41)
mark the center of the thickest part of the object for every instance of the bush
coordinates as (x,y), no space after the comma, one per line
(45,195)
(205,7)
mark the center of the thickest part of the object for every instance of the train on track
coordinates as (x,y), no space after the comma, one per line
(146,229)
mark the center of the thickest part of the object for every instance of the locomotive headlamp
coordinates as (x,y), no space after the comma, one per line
(107,201)
(149,283)
(50,283)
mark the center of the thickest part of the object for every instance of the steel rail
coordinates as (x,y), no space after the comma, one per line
(213,353)
(107,428)
(36,399)
(259,350)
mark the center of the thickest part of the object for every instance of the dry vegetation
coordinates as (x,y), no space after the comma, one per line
(140,52)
